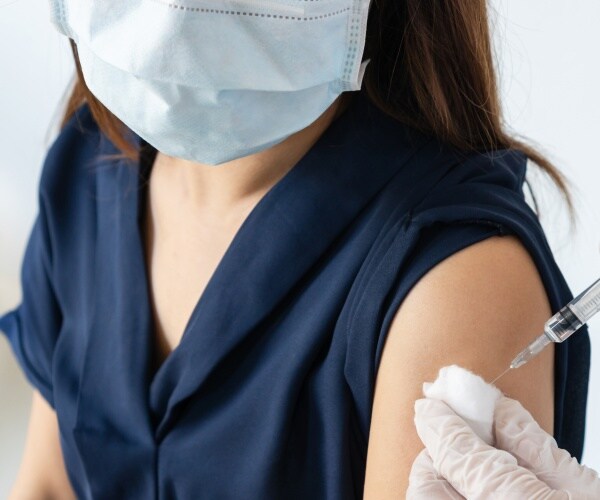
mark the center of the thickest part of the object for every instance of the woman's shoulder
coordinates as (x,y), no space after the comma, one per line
(457,194)
(468,197)
(440,190)
(454,178)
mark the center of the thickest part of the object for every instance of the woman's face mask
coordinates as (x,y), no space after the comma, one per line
(211,81)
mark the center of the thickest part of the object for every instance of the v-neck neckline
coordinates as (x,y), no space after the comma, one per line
(145,165)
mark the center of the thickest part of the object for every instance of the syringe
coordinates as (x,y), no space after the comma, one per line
(562,325)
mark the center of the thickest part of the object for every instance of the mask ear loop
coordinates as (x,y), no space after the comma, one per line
(361,71)
(366,56)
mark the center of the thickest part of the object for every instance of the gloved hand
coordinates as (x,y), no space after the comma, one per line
(525,464)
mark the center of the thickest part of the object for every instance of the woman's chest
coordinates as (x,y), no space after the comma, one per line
(183,247)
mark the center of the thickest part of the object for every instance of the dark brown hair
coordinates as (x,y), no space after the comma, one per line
(431,68)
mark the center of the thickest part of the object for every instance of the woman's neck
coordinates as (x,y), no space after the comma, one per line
(240,181)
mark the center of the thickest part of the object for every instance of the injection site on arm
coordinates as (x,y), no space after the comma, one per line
(561,325)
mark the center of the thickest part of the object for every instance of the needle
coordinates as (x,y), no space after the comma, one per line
(500,376)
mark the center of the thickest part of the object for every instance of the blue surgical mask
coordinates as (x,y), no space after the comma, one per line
(215,80)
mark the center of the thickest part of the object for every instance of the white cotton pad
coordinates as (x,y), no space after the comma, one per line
(471,397)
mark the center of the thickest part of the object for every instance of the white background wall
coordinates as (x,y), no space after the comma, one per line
(550,76)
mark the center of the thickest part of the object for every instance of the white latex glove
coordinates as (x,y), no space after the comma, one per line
(525,464)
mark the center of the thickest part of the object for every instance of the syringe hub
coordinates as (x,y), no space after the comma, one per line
(531,351)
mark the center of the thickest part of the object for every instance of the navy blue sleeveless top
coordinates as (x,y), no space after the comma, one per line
(269,393)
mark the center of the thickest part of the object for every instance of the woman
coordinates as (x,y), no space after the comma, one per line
(260,230)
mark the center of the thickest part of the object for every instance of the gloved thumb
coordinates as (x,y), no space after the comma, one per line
(519,434)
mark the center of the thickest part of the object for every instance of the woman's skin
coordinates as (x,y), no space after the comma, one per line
(477,308)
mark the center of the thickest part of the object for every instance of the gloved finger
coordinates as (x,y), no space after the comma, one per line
(425,483)
(518,433)
(475,469)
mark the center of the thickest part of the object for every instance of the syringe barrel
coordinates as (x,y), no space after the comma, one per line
(587,303)
(562,325)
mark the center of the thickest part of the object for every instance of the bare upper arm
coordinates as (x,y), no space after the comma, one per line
(42,473)
(477,308)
